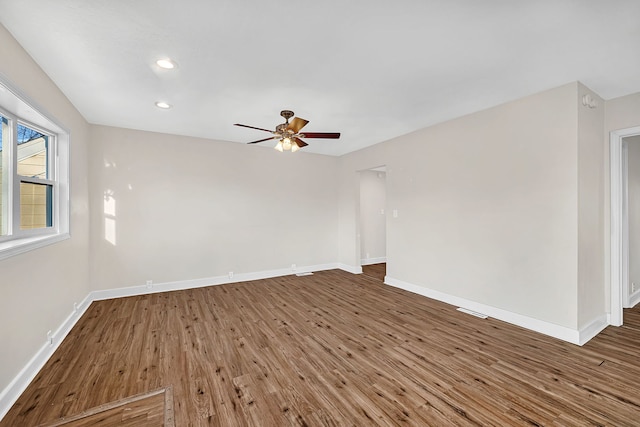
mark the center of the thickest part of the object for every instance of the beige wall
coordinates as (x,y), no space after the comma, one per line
(622,113)
(168,208)
(38,288)
(487,206)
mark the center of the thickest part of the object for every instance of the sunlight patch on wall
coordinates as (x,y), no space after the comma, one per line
(109,217)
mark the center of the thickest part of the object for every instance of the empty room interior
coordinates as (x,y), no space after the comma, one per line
(319,213)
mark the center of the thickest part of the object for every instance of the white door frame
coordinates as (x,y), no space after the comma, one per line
(619,233)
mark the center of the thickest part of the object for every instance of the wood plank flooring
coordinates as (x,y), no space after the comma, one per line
(376,271)
(332,349)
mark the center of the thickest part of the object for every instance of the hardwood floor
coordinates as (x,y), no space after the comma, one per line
(332,349)
(376,271)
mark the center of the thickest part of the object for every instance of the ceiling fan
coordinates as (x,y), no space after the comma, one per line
(289,135)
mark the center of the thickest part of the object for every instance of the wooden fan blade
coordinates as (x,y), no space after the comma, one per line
(328,135)
(300,142)
(296,124)
(252,127)
(260,140)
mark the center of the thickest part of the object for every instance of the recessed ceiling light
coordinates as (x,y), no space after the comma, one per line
(163,105)
(166,63)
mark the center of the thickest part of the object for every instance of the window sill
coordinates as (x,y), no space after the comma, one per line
(18,246)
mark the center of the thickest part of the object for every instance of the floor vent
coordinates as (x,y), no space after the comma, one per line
(304,274)
(473,313)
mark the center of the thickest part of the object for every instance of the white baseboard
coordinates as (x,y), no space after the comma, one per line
(592,329)
(634,299)
(16,387)
(208,281)
(561,332)
(353,269)
(369,261)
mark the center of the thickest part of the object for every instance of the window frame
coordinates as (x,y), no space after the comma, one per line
(20,110)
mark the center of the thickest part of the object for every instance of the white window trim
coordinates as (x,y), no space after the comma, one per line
(17,104)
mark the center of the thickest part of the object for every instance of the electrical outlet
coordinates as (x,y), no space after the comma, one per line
(633,286)
(293,267)
(231,275)
(149,284)
(75,306)
(50,338)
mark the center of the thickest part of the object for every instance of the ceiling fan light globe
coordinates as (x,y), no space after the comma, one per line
(279,146)
(294,147)
(286,143)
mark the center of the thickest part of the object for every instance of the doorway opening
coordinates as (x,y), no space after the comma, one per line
(372,222)
(621,294)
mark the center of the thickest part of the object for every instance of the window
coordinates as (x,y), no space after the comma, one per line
(34,207)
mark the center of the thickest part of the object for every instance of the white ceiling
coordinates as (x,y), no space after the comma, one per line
(371,69)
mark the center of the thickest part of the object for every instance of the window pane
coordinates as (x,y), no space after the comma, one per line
(4,176)
(32,153)
(36,205)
